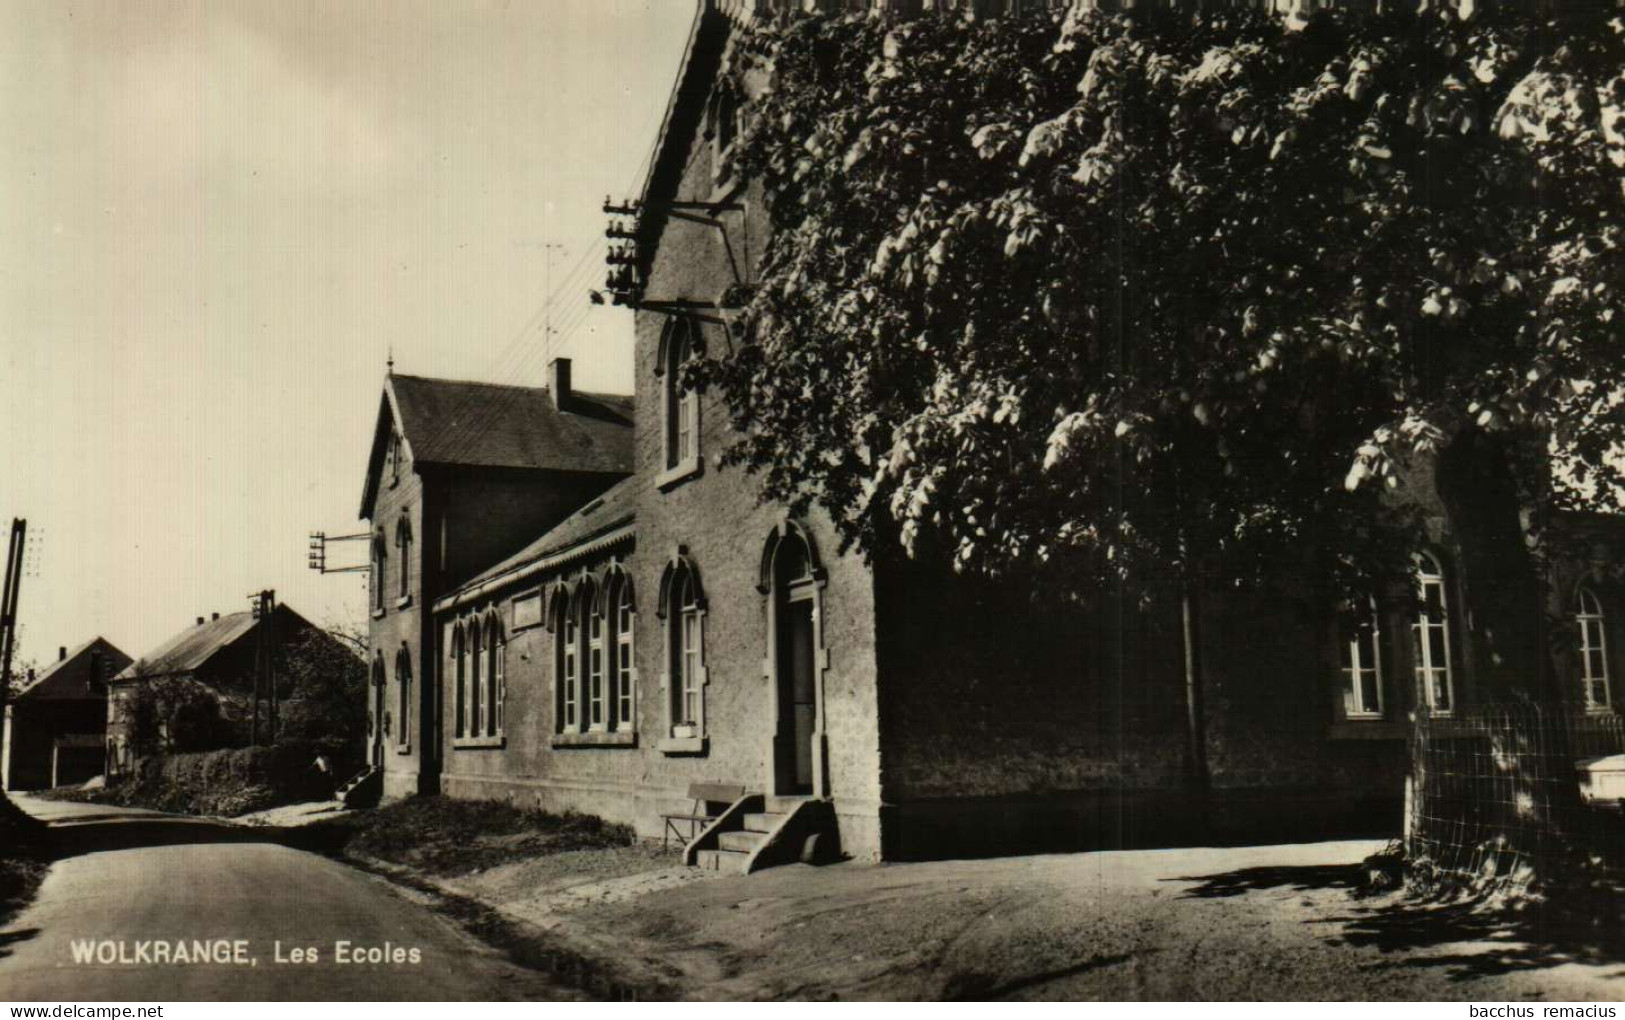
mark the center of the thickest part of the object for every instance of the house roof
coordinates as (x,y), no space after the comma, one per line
(188,650)
(58,681)
(455,422)
(702,56)
(605,522)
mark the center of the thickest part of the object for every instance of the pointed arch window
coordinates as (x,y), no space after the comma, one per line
(403,683)
(1362,663)
(495,680)
(1593,650)
(476,700)
(567,665)
(682,604)
(681,403)
(723,124)
(622,671)
(459,658)
(403,542)
(590,614)
(380,559)
(1430,632)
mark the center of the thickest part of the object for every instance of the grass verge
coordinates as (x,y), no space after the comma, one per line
(417,842)
(447,838)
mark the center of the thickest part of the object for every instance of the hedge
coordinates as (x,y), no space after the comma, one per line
(234,781)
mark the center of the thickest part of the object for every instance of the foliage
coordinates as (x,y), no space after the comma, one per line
(444,836)
(172,715)
(227,782)
(327,691)
(1105,296)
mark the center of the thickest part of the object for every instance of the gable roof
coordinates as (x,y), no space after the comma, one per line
(601,524)
(455,422)
(702,57)
(194,646)
(65,678)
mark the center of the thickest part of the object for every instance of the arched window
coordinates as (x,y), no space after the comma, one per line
(622,678)
(394,458)
(1593,650)
(495,649)
(683,605)
(376,710)
(380,556)
(682,403)
(1431,639)
(459,657)
(403,680)
(403,542)
(722,126)
(476,701)
(592,628)
(1362,663)
(567,664)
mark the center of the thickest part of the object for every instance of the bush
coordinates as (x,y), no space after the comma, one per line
(446,836)
(234,781)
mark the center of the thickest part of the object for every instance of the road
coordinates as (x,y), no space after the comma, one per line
(144,886)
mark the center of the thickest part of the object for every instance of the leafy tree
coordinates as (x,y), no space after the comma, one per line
(326,685)
(174,715)
(1158,298)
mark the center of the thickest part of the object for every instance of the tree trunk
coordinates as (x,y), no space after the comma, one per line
(1196,770)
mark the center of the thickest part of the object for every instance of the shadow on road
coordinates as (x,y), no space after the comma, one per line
(97,833)
(1474,941)
(1298,879)
(10,938)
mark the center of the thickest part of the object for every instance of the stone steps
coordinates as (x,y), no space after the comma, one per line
(732,862)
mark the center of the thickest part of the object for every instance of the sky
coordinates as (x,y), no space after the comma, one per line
(219,218)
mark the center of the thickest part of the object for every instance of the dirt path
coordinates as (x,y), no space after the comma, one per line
(1256,923)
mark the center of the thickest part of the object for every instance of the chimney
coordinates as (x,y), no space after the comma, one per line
(214,616)
(61,652)
(558,382)
(200,621)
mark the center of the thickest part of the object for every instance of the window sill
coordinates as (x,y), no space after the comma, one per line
(378,614)
(672,476)
(475,743)
(403,602)
(1368,729)
(403,748)
(682,745)
(618,739)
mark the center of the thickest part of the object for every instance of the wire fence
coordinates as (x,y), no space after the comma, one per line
(1504,793)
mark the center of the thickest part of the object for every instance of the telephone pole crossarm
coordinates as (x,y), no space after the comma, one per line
(316,557)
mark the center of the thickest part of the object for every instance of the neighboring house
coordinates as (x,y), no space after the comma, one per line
(673,630)
(56,724)
(460,475)
(195,691)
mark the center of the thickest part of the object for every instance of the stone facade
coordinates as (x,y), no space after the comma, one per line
(939,716)
(462,510)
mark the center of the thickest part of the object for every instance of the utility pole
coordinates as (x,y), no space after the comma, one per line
(8,606)
(264,666)
(9,813)
(268,625)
